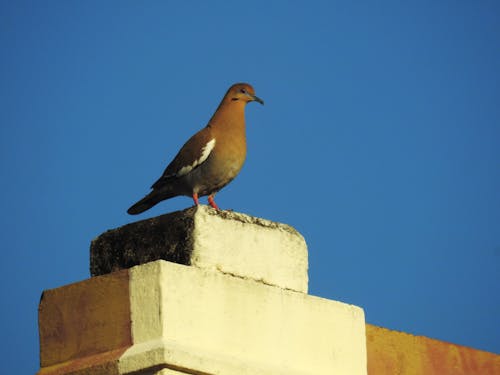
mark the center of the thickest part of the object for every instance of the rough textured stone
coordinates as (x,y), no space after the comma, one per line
(228,242)
(166,237)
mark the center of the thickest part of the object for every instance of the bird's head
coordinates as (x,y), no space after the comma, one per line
(243,92)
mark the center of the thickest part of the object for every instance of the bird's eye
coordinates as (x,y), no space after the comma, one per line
(243,91)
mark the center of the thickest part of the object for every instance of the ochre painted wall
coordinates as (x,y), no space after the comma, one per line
(392,352)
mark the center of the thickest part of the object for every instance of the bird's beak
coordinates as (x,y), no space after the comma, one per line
(256,99)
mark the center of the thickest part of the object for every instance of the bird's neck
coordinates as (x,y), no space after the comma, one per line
(230,115)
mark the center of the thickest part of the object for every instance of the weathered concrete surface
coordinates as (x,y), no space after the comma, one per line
(189,320)
(228,242)
(392,352)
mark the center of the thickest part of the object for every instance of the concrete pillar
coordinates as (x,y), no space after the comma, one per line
(199,292)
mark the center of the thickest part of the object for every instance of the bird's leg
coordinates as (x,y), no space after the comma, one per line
(212,203)
(195,199)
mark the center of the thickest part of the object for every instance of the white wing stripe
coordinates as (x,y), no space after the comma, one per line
(205,152)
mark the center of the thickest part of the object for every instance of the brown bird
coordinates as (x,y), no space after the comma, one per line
(211,158)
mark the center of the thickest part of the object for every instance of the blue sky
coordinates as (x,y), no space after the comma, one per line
(379,142)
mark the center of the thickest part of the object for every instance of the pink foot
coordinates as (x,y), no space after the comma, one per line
(195,199)
(212,203)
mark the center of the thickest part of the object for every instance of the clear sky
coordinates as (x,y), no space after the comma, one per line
(379,141)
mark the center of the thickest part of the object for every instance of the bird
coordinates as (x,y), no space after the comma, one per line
(210,159)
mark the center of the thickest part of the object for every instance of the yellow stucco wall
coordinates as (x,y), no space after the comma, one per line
(85,325)
(392,352)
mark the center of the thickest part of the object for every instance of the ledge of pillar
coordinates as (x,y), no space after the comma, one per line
(166,318)
(229,242)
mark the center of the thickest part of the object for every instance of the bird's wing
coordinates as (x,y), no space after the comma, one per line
(194,152)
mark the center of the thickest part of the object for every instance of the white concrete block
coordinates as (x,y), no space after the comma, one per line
(246,246)
(200,321)
(224,241)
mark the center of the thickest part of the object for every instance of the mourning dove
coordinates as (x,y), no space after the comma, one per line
(211,158)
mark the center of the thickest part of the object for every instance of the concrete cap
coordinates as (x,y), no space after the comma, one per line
(225,241)
(166,318)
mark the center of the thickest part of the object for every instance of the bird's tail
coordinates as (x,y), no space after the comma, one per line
(147,202)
